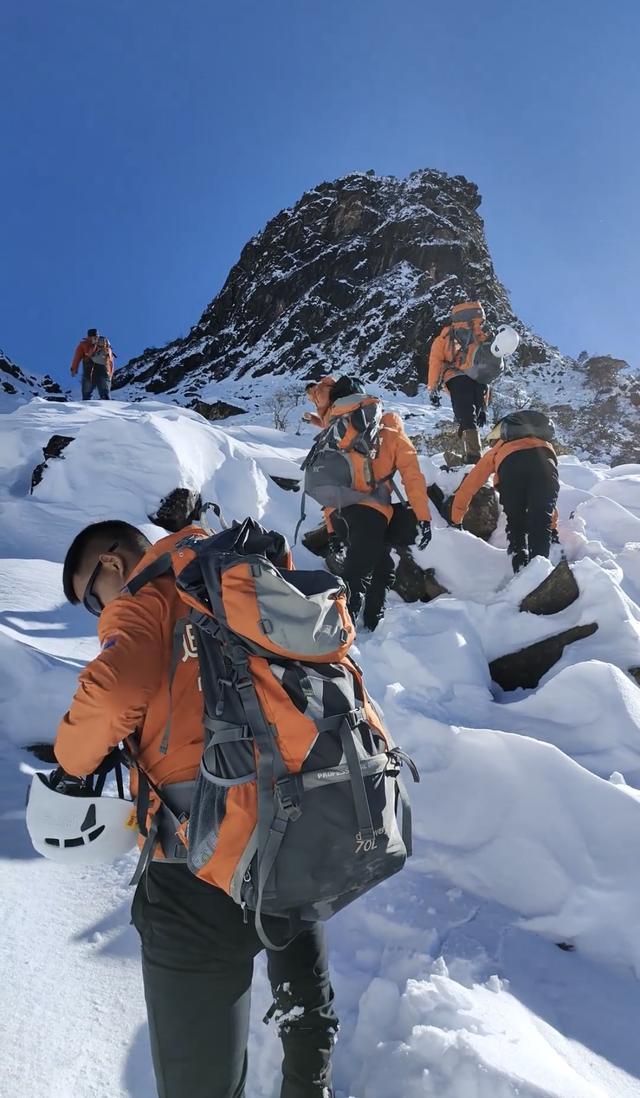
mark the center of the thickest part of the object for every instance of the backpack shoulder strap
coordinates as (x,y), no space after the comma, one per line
(158,567)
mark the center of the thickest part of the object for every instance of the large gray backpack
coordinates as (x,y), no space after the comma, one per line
(338,470)
(293,811)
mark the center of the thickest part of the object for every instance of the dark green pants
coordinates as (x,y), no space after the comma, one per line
(197,964)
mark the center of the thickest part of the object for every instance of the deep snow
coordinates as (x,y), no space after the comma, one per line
(448,978)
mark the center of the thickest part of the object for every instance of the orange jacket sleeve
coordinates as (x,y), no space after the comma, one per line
(438,357)
(78,356)
(115,688)
(406,462)
(472,484)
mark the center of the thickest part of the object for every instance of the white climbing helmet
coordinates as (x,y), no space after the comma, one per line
(79,830)
(505,342)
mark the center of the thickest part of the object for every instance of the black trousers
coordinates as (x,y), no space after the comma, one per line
(197,964)
(467,400)
(368,568)
(97,377)
(528,487)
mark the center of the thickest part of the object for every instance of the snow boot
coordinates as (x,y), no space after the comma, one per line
(472,445)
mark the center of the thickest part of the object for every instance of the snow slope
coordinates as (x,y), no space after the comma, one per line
(449,981)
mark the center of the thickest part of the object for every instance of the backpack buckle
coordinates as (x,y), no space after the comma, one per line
(288,794)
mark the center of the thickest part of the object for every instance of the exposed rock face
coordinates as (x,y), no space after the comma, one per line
(526,667)
(482,517)
(558,591)
(178,509)
(359,276)
(219,409)
(16,386)
(53,449)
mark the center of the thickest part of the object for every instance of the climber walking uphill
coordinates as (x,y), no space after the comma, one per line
(525,472)
(266,786)
(349,471)
(198,945)
(96,355)
(462,359)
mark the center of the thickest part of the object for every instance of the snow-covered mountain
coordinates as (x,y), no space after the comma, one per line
(449,980)
(17,387)
(358,276)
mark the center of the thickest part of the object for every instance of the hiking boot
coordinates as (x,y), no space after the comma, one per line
(472,445)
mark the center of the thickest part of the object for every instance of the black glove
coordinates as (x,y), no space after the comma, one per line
(69,784)
(481,417)
(336,545)
(435,398)
(424,534)
(555,538)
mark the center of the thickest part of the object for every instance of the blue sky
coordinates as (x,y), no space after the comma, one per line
(145,141)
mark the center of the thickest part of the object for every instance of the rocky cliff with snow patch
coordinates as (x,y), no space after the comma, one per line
(17,387)
(358,276)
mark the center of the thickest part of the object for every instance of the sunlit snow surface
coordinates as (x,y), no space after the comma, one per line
(448,979)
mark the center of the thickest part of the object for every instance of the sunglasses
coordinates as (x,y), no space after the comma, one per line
(90,600)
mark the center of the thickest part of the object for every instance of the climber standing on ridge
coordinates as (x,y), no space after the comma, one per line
(96,355)
(524,465)
(349,471)
(450,360)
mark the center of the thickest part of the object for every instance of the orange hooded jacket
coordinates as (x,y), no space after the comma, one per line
(445,361)
(126,687)
(397,454)
(490,463)
(85,349)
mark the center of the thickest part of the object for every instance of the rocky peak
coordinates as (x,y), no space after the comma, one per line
(358,275)
(16,386)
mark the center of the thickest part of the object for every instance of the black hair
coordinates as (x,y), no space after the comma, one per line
(345,386)
(92,331)
(98,538)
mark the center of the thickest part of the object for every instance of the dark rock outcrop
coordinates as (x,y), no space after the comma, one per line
(15,383)
(178,509)
(526,667)
(482,517)
(558,591)
(53,449)
(218,409)
(288,484)
(413,583)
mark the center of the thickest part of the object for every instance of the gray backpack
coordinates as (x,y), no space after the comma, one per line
(293,812)
(485,367)
(338,470)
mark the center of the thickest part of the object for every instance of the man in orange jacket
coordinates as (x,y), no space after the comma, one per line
(448,360)
(525,472)
(361,527)
(197,947)
(96,356)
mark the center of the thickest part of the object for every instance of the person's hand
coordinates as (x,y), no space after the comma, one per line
(482,417)
(74,372)
(435,398)
(424,534)
(555,537)
(67,783)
